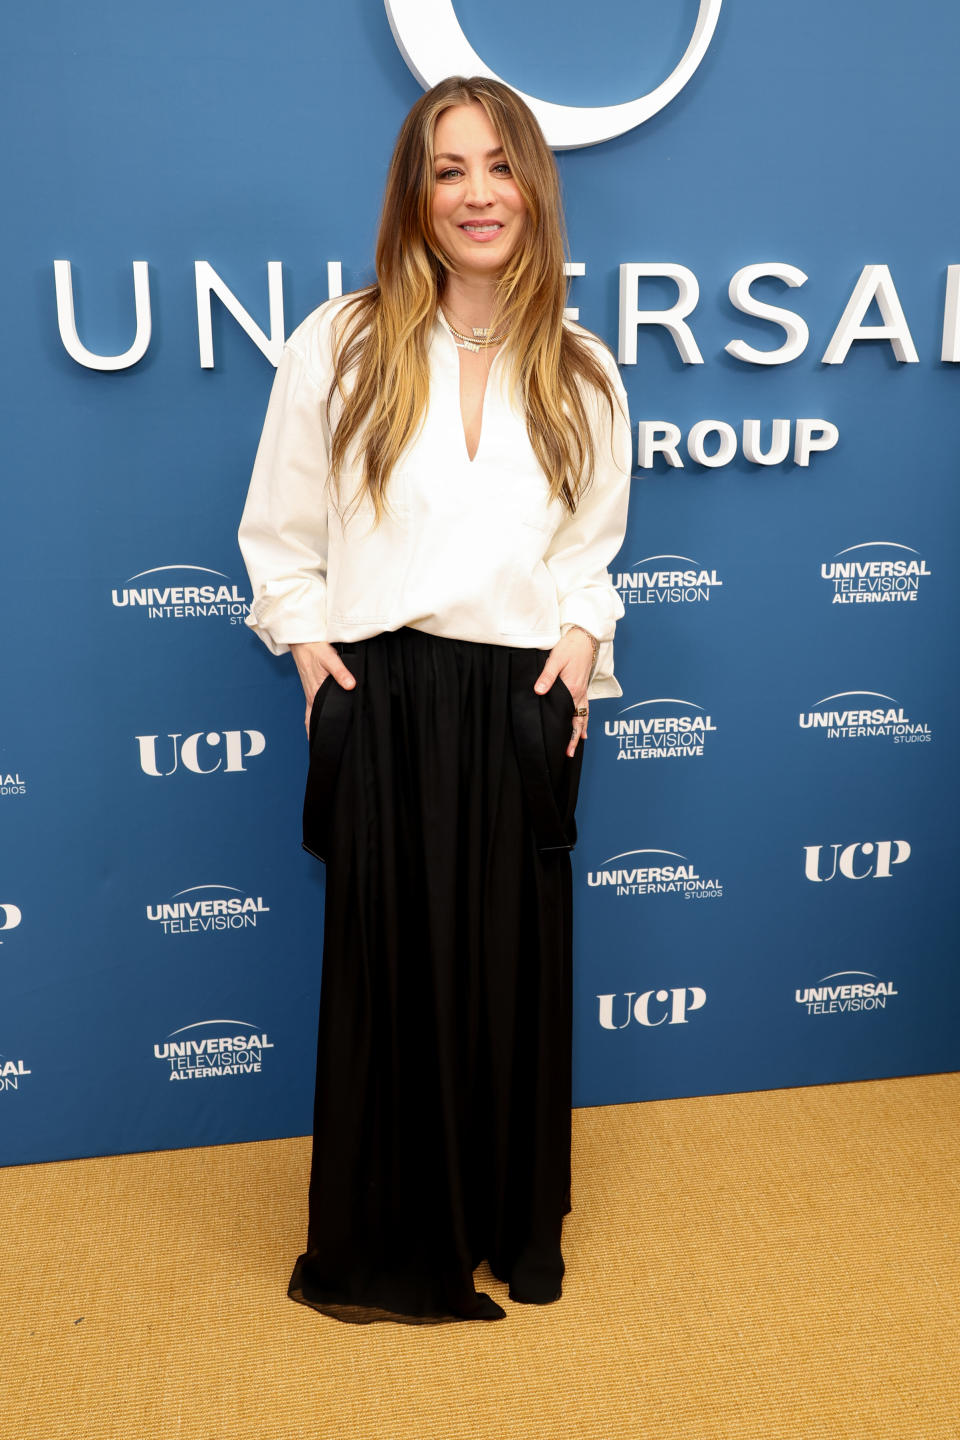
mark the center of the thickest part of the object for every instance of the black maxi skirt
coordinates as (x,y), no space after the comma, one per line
(441,799)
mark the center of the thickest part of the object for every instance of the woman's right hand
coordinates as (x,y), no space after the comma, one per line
(315,660)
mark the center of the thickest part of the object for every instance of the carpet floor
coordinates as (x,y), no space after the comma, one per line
(777,1265)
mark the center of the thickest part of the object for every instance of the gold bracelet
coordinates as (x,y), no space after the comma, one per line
(593,641)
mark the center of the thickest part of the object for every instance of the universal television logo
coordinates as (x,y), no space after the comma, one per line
(199,909)
(865,992)
(11,1072)
(670,580)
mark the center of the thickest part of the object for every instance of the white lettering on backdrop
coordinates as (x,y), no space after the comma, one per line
(875,283)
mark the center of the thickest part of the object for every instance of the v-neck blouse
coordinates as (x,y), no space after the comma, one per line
(483,404)
(471,549)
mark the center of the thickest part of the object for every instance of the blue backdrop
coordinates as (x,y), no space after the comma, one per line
(766,859)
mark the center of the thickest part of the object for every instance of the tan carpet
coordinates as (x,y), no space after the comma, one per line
(780,1265)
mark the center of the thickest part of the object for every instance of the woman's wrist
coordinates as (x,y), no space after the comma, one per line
(593,641)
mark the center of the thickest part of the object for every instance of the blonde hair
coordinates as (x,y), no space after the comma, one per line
(384,331)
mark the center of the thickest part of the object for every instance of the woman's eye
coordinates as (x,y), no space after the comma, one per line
(503,167)
(447,174)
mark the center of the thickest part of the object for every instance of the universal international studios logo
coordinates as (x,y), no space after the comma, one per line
(12,783)
(862,714)
(431,40)
(643,876)
(182,592)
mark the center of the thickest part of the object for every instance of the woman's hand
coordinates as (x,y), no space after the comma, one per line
(572,660)
(315,660)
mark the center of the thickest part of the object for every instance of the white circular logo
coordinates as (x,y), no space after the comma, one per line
(10,916)
(434,46)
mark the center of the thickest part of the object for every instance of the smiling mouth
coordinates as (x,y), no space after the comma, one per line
(478,228)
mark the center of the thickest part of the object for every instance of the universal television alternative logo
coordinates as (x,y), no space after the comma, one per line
(678,733)
(214,1056)
(827,999)
(666,583)
(187,597)
(875,572)
(664,878)
(848,720)
(198,909)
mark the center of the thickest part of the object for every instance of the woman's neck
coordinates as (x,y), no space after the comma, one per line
(469,302)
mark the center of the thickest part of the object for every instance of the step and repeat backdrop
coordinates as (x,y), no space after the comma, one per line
(763,224)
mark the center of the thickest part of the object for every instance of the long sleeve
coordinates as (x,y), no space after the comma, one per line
(586,542)
(283,529)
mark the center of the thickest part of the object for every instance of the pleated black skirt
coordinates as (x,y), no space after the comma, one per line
(441,800)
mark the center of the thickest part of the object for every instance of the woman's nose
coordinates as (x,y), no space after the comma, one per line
(479,190)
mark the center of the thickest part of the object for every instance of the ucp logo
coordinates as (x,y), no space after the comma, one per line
(235,749)
(639,1009)
(874,861)
(434,46)
(10,916)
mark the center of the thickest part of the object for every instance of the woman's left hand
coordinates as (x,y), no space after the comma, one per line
(571,659)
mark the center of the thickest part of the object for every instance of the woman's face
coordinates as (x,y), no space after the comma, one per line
(478,211)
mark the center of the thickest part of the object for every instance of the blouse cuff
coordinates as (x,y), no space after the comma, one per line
(603,683)
(288,619)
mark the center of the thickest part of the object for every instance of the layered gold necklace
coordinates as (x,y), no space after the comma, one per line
(481,339)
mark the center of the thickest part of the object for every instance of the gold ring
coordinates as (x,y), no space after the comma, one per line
(582,710)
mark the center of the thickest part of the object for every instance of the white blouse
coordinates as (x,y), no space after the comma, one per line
(472,549)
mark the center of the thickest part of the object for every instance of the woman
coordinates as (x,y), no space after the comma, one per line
(440,485)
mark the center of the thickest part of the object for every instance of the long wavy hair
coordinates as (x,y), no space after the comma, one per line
(383,332)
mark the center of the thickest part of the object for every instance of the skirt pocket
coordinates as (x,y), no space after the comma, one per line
(541,727)
(330,717)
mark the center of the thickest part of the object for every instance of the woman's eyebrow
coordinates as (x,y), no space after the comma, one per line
(445,155)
